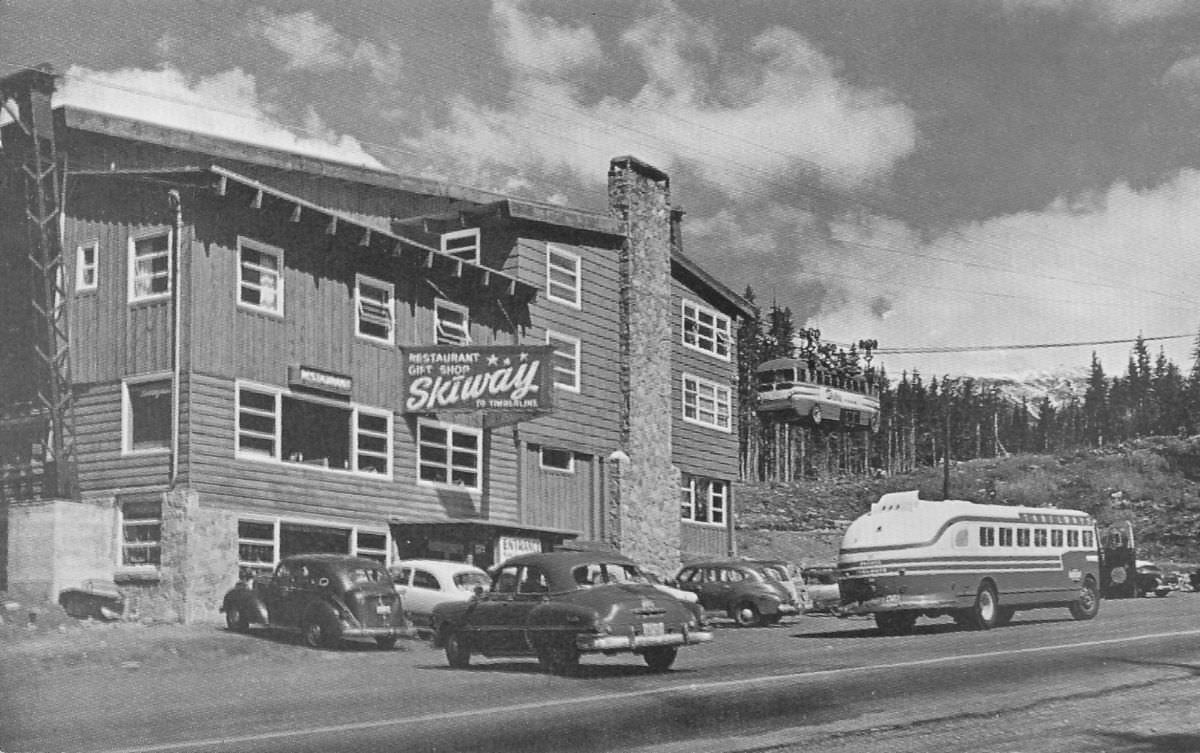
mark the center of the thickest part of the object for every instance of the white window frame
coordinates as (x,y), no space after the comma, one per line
(561,343)
(354,427)
(123,544)
(718,502)
(713,338)
(127,447)
(389,307)
(716,497)
(687,498)
(266,250)
(276,525)
(133,268)
(273,542)
(449,465)
(560,292)
(696,392)
(551,468)
(448,332)
(82,268)
(452,244)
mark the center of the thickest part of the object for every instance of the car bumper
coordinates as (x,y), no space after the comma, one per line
(638,642)
(353,631)
(900,602)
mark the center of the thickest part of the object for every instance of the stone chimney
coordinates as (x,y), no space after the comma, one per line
(644,501)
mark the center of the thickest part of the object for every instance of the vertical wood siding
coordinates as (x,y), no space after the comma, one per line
(557,499)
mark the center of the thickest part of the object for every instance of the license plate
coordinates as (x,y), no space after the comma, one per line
(382,609)
(652,628)
(891,599)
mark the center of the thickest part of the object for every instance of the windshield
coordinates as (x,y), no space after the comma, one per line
(366,575)
(469,580)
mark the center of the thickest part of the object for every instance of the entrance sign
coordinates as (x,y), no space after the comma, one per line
(469,378)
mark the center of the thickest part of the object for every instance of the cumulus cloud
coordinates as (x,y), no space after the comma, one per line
(1116,12)
(311,44)
(738,118)
(226,104)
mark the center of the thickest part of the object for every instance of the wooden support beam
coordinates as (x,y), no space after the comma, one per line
(429,259)
(366,238)
(256,203)
(458,267)
(222,186)
(296,213)
(487,277)
(331,228)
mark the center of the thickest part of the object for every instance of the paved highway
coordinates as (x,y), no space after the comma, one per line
(1045,683)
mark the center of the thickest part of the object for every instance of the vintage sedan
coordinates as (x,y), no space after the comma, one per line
(558,606)
(325,597)
(749,592)
(423,584)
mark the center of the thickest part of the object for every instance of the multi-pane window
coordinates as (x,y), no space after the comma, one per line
(449,454)
(462,244)
(987,536)
(260,276)
(289,428)
(141,534)
(562,276)
(557,460)
(1089,539)
(1039,537)
(146,415)
(706,330)
(1073,537)
(149,267)
(706,403)
(256,547)
(1056,537)
(704,500)
(452,323)
(565,360)
(1006,537)
(86,265)
(1022,537)
(371,544)
(374,303)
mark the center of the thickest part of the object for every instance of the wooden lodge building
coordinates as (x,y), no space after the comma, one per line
(216,355)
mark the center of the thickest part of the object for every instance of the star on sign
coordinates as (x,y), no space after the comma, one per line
(493,359)
(524,357)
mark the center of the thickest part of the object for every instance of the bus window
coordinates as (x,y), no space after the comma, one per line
(1005,537)
(1056,537)
(961,537)
(1022,537)
(1088,541)
(987,536)
(1039,537)
(1073,538)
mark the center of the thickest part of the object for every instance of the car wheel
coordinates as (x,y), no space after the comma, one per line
(458,652)
(895,623)
(386,642)
(1004,615)
(746,615)
(660,658)
(1088,604)
(559,656)
(984,612)
(236,620)
(319,631)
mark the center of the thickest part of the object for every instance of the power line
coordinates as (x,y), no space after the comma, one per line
(980,348)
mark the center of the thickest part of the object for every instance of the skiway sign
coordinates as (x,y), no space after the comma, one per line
(485,379)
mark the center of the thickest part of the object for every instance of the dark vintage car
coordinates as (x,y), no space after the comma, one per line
(559,605)
(325,597)
(1150,579)
(750,593)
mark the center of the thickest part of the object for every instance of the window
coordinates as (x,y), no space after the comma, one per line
(562,276)
(260,276)
(372,545)
(256,547)
(1039,537)
(449,454)
(566,360)
(285,427)
(557,460)
(146,416)
(1089,540)
(86,263)
(423,579)
(703,500)
(706,403)
(987,536)
(1056,537)
(961,537)
(462,244)
(141,534)
(706,330)
(452,323)
(1006,537)
(1022,537)
(373,300)
(149,267)
(1073,537)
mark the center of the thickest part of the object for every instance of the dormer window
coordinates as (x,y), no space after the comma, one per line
(462,244)
(452,323)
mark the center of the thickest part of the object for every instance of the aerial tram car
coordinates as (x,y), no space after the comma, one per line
(795,390)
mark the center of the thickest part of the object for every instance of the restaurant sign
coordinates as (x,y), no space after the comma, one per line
(468,378)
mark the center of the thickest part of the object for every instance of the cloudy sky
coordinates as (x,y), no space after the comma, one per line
(932,174)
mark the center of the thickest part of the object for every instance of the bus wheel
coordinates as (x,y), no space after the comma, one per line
(983,614)
(895,623)
(1088,604)
(1004,615)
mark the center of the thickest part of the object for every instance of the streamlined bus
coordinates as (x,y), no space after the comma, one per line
(909,557)
(789,389)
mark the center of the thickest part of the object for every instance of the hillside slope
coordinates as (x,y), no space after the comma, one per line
(1154,482)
